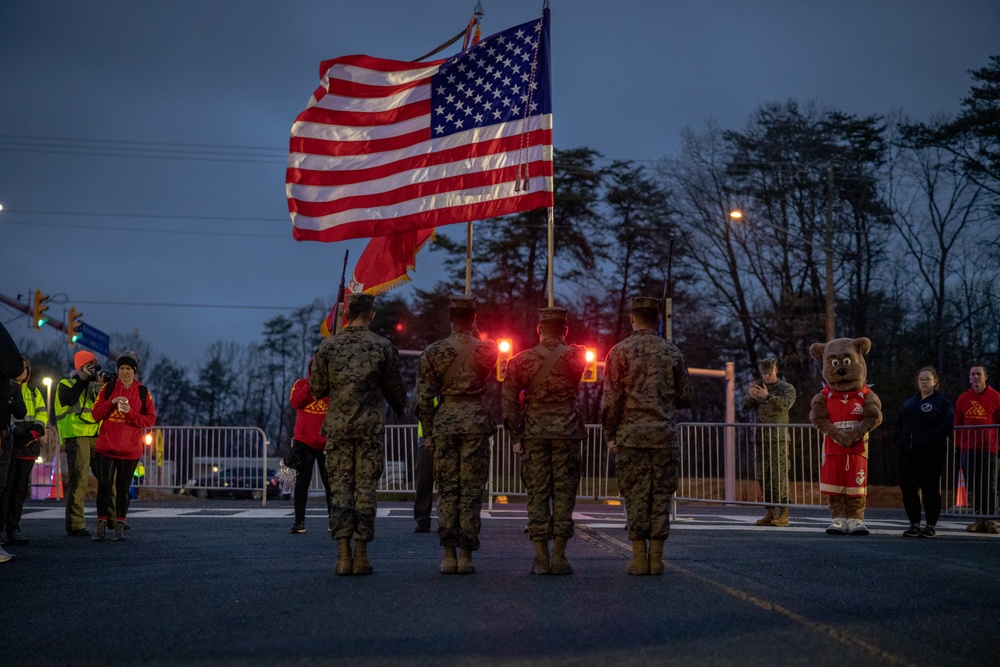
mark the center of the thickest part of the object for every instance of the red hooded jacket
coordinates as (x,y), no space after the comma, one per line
(309,415)
(120,436)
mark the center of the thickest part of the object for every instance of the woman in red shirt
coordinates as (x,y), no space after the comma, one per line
(124,408)
(308,447)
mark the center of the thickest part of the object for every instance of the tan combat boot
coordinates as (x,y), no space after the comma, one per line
(541,564)
(560,564)
(656,557)
(781,518)
(640,558)
(345,563)
(361,563)
(768,519)
(465,565)
(450,563)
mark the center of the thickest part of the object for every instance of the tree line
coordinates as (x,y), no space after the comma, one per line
(907,212)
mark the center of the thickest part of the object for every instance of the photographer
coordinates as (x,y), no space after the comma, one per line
(124,407)
(78,431)
(770,399)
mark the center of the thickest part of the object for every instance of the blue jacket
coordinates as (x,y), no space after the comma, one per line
(923,422)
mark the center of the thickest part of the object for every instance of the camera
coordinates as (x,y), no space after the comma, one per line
(107,377)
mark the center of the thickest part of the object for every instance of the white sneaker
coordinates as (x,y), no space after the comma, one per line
(4,556)
(837,528)
(856,527)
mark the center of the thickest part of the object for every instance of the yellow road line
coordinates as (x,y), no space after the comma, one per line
(819,628)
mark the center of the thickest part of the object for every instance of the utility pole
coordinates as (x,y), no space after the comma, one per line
(830,296)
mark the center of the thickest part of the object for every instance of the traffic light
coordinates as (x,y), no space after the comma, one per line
(506,347)
(590,370)
(73,326)
(38,314)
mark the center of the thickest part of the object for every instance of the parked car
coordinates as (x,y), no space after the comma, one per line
(240,482)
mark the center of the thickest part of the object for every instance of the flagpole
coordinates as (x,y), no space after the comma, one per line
(552,244)
(338,311)
(468,259)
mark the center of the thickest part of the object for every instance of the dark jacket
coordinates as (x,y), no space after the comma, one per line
(923,422)
(11,365)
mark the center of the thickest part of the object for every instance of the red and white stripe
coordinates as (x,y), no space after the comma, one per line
(363,163)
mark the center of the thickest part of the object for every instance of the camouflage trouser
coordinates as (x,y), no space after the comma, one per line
(461,463)
(648,479)
(354,466)
(550,470)
(771,458)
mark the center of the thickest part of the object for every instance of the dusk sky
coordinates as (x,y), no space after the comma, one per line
(143,145)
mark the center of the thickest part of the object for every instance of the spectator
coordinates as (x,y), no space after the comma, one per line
(26,448)
(540,413)
(355,369)
(78,429)
(457,425)
(770,399)
(124,407)
(979,408)
(11,365)
(308,445)
(645,382)
(921,433)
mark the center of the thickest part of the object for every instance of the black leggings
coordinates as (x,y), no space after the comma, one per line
(114,476)
(920,471)
(308,456)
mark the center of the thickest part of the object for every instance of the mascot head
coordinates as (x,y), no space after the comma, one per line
(843,362)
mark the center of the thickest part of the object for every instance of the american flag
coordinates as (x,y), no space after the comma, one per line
(387,146)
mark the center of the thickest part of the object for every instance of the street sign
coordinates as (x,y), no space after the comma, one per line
(93,339)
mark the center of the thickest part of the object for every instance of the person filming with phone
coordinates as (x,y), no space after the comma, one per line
(770,399)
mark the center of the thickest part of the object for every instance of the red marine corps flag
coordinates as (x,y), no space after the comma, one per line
(387,146)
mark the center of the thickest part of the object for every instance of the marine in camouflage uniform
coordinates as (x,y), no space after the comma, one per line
(355,369)
(457,426)
(645,380)
(771,400)
(540,414)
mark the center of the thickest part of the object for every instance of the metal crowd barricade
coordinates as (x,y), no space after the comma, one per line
(719,462)
(207,461)
(967,468)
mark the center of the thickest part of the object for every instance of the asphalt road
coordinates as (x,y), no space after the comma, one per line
(224,583)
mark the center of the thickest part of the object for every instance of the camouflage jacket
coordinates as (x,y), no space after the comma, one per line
(460,409)
(550,410)
(645,380)
(355,369)
(773,409)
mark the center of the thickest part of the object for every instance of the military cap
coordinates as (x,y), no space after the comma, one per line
(645,302)
(552,316)
(462,303)
(361,300)
(767,365)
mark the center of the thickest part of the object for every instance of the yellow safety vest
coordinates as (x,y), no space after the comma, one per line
(75,420)
(35,405)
